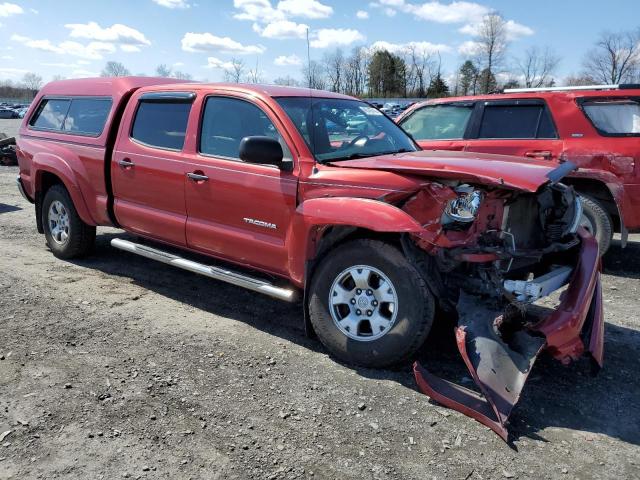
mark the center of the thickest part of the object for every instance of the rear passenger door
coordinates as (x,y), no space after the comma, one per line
(523,128)
(441,126)
(148,168)
(236,210)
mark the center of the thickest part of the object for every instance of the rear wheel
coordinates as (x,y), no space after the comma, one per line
(369,306)
(597,221)
(67,235)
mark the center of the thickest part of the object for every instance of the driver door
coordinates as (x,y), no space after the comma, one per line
(236,210)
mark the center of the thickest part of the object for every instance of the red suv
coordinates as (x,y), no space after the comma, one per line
(595,127)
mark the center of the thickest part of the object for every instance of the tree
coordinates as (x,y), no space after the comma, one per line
(181,75)
(287,81)
(163,70)
(114,69)
(32,81)
(468,78)
(313,74)
(355,74)
(236,72)
(491,48)
(537,67)
(387,75)
(580,80)
(420,66)
(437,87)
(487,81)
(334,64)
(254,75)
(615,58)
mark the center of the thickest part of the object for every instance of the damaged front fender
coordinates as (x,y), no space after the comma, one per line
(500,361)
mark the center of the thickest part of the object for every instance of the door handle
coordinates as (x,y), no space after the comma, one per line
(125,163)
(546,154)
(197,177)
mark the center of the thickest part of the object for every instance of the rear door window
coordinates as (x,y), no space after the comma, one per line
(438,122)
(516,122)
(614,117)
(87,116)
(50,114)
(161,124)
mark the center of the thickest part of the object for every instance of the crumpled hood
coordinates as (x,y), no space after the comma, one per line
(487,169)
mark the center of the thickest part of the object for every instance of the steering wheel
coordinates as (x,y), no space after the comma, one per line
(360,141)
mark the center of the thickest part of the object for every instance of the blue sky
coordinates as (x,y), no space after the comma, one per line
(71,38)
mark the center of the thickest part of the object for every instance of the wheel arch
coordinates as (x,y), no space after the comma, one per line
(49,171)
(600,190)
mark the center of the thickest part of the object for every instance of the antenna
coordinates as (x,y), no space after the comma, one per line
(308,61)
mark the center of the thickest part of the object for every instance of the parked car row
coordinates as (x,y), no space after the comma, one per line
(13,110)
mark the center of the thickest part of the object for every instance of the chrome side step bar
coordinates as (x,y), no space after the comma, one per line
(217,273)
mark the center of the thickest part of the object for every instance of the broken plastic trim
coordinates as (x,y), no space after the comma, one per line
(562,171)
(500,367)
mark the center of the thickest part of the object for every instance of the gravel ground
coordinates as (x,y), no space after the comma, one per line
(118,367)
(10,126)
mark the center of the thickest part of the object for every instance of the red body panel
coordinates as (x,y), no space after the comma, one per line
(597,156)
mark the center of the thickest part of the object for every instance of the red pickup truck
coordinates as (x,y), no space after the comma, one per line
(319,193)
(595,127)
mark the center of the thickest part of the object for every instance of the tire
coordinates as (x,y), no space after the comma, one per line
(403,327)
(597,221)
(66,234)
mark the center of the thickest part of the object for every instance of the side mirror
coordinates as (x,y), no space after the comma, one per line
(265,150)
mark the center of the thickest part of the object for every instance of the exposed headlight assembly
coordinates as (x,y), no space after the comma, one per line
(464,209)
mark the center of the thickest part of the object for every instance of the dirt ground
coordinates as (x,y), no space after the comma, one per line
(119,367)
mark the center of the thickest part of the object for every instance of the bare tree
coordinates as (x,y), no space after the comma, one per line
(492,45)
(579,80)
(615,58)
(254,75)
(163,70)
(114,69)
(537,67)
(287,81)
(313,74)
(421,65)
(32,81)
(333,64)
(58,77)
(181,75)
(355,72)
(236,72)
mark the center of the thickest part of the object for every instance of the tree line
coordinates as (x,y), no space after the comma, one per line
(414,71)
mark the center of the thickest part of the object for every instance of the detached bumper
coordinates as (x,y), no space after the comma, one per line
(500,366)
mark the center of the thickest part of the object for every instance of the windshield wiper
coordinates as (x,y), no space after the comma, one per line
(356,156)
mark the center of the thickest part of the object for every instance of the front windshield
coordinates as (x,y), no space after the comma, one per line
(344,129)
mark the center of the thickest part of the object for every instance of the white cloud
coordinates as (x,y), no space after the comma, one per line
(329,37)
(425,48)
(129,48)
(8,9)
(389,12)
(12,72)
(173,3)
(207,42)
(287,61)
(6,57)
(455,12)
(305,8)
(263,11)
(469,48)
(282,29)
(93,50)
(213,62)
(513,30)
(257,10)
(362,14)
(116,33)
(82,73)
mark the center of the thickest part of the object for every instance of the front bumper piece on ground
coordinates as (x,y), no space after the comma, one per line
(500,368)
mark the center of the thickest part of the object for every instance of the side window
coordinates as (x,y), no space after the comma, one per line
(438,122)
(161,124)
(516,122)
(50,114)
(87,116)
(226,121)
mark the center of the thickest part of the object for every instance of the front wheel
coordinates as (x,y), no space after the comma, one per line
(597,222)
(369,306)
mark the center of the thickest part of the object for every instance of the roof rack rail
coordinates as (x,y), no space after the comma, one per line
(580,87)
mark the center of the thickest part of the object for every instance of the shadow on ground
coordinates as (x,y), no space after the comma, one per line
(554,396)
